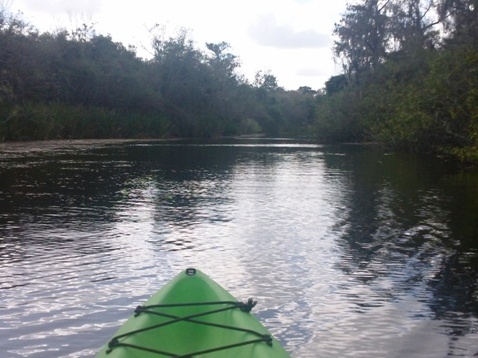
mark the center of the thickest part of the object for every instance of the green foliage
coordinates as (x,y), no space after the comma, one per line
(362,34)
(401,86)
(336,84)
(452,86)
(438,108)
(80,84)
(337,118)
(39,121)
(422,94)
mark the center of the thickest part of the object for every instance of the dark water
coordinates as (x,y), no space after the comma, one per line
(350,251)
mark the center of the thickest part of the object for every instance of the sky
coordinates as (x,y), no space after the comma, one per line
(292,39)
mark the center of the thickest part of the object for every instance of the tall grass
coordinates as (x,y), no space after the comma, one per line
(39,121)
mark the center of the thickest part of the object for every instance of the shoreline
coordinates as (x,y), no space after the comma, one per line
(55,144)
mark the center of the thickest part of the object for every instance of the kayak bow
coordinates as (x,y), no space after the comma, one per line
(193,316)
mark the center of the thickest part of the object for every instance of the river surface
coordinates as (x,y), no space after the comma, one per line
(351,251)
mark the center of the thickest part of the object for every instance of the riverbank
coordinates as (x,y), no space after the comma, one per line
(462,158)
(59,144)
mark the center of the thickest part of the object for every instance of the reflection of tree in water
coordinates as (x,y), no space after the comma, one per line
(456,284)
(83,189)
(41,187)
(192,183)
(400,227)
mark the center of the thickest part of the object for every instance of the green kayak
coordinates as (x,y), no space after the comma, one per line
(192,316)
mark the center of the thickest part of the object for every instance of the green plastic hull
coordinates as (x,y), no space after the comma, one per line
(184,330)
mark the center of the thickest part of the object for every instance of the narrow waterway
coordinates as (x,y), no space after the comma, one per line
(351,251)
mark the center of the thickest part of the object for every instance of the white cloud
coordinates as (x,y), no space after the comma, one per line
(267,31)
(310,72)
(89,7)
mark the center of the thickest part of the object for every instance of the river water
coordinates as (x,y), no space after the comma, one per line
(351,251)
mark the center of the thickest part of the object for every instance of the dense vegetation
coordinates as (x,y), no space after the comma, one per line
(410,76)
(77,84)
(410,79)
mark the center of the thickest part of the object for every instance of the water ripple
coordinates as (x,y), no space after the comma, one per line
(345,258)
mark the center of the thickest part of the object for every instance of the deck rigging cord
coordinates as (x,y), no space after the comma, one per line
(230,305)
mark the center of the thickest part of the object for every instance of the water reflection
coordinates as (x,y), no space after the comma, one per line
(350,251)
(397,245)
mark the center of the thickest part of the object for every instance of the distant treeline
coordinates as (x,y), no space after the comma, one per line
(410,79)
(77,84)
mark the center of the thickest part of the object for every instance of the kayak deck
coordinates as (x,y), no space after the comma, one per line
(192,316)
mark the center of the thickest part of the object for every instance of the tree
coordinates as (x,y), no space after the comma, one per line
(413,25)
(362,36)
(335,84)
(460,18)
(222,61)
(181,79)
(223,85)
(266,81)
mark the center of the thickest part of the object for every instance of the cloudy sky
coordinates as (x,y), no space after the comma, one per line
(290,38)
